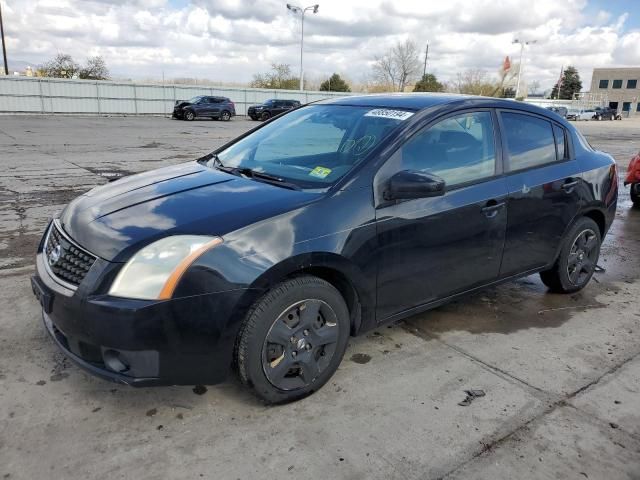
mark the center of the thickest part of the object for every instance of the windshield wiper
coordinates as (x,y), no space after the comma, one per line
(272,179)
(247,172)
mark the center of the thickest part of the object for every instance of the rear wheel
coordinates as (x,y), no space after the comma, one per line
(189,115)
(293,339)
(577,260)
(225,116)
(635,194)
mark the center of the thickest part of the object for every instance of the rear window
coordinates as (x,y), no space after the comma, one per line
(530,140)
(561,142)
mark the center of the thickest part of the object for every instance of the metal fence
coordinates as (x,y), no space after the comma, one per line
(54,95)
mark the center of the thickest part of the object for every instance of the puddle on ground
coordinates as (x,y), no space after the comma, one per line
(360,358)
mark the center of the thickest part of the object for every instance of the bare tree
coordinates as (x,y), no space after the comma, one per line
(62,66)
(280,77)
(95,69)
(398,66)
(534,87)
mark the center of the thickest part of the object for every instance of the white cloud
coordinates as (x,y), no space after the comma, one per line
(229,40)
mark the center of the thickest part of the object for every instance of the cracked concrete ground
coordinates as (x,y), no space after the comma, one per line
(561,373)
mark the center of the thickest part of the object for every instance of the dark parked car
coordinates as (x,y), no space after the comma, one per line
(271,108)
(218,108)
(326,222)
(562,111)
(606,113)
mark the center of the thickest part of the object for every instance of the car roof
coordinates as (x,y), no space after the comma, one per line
(420,101)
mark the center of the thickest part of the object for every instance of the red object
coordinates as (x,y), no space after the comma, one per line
(506,66)
(633,171)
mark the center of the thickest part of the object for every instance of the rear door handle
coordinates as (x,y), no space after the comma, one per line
(492,208)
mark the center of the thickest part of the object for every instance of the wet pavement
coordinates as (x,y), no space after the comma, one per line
(560,372)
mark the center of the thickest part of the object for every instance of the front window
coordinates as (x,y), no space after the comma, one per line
(459,149)
(314,146)
(195,99)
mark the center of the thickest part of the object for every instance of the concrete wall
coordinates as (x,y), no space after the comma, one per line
(54,95)
(630,96)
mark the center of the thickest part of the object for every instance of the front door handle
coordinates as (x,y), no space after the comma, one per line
(569,185)
(492,208)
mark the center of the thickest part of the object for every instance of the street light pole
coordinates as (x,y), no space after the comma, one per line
(4,48)
(302,11)
(521,66)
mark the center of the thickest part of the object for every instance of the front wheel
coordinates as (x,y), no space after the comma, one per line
(635,194)
(265,116)
(293,339)
(577,260)
(189,115)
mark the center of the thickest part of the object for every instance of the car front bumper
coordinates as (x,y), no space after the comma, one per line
(183,341)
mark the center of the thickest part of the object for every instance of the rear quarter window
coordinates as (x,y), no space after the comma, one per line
(529,140)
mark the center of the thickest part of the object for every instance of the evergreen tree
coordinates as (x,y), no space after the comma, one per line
(570,84)
(335,84)
(428,83)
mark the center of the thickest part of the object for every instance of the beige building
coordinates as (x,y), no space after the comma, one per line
(620,87)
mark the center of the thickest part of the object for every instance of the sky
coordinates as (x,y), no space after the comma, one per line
(230,40)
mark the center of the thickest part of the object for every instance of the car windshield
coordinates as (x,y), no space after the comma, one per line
(195,99)
(314,146)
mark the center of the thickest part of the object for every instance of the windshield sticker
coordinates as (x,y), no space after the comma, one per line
(386,113)
(320,172)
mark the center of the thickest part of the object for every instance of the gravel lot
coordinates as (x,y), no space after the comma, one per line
(561,373)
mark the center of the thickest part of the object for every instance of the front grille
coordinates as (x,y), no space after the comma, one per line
(66,260)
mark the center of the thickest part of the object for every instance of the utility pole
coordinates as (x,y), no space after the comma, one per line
(426,56)
(521,66)
(4,48)
(302,11)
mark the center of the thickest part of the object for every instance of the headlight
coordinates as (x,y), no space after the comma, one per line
(154,272)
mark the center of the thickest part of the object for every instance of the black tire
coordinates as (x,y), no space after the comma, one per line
(634,193)
(288,319)
(577,260)
(188,115)
(225,116)
(265,116)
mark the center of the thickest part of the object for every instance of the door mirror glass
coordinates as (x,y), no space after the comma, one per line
(408,184)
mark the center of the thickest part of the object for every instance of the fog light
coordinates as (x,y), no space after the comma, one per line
(113,360)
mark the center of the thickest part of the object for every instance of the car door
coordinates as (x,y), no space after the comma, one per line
(544,182)
(431,248)
(201,106)
(215,106)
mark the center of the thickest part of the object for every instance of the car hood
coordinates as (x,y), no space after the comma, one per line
(181,104)
(115,220)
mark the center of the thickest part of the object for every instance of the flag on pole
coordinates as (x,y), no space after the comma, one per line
(506,65)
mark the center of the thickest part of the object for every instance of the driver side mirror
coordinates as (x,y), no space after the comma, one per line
(408,184)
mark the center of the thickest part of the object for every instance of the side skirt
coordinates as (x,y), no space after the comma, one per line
(436,303)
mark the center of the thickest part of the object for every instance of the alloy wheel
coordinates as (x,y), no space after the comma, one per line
(582,257)
(300,344)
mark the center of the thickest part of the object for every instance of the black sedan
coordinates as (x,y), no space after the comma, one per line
(328,221)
